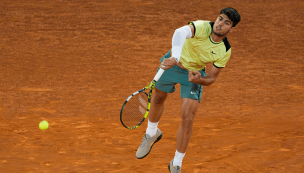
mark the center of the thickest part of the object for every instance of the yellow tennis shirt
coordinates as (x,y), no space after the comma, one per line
(201,50)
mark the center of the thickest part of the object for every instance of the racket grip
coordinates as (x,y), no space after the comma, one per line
(158,74)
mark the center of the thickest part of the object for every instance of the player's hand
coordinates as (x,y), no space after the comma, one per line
(194,77)
(168,63)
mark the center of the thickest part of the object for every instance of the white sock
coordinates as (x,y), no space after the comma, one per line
(152,128)
(178,158)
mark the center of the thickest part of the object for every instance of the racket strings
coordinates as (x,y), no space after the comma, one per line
(135,109)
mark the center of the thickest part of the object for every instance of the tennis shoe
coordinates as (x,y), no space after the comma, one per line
(174,169)
(147,143)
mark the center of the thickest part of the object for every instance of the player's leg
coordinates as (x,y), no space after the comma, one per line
(153,134)
(156,110)
(157,105)
(191,94)
(184,133)
(163,86)
(189,108)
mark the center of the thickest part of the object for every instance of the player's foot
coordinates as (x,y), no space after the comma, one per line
(174,169)
(147,143)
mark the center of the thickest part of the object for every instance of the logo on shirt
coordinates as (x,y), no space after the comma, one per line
(213,53)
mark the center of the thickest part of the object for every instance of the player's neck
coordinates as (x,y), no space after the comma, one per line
(217,38)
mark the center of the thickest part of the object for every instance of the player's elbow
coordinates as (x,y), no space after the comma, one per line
(210,81)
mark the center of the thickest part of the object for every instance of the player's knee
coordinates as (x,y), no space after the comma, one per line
(159,97)
(187,122)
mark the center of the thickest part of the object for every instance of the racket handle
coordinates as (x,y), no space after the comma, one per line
(158,74)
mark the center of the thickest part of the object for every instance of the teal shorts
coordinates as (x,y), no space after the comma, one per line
(176,75)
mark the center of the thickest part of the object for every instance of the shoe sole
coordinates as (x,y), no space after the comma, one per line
(158,138)
(169,167)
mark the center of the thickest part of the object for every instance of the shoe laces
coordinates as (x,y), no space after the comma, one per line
(144,139)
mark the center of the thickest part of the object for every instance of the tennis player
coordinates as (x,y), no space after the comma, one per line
(193,47)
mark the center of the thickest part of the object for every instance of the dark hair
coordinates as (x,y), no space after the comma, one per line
(232,14)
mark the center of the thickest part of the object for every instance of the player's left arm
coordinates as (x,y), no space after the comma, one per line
(195,76)
(215,70)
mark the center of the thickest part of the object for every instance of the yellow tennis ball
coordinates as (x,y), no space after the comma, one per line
(43,125)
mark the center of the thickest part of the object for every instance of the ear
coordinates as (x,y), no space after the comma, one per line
(231,30)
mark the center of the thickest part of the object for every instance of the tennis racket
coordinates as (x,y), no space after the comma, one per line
(136,107)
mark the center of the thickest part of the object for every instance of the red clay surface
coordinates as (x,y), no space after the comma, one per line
(73,63)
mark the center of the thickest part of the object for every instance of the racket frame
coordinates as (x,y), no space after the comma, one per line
(151,86)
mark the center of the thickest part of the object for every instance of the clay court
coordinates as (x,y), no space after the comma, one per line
(73,63)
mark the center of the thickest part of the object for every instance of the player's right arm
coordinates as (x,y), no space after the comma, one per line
(179,37)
